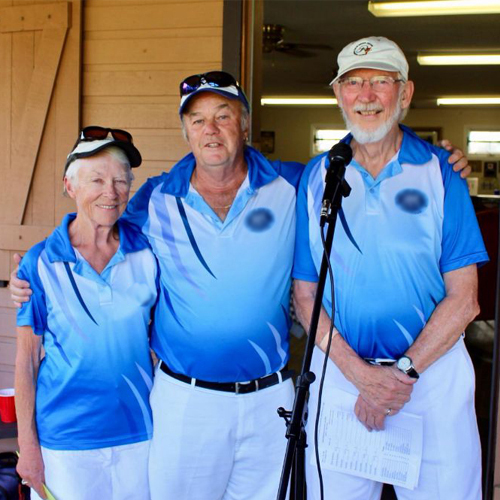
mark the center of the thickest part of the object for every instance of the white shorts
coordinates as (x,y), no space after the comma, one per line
(213,445)
(115,473)
(451,458)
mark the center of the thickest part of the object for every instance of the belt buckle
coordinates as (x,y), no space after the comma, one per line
(380,361)
(237,386)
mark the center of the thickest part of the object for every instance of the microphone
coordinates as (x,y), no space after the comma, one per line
(338,157)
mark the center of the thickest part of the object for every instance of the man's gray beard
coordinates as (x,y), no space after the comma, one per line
(363,136)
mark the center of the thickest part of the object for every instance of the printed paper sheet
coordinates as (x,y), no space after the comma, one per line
(390,456)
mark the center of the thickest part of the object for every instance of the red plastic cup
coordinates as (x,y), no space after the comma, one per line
(7,406)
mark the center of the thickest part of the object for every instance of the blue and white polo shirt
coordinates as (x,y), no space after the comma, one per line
(94,381)
(225,285)
(395,237)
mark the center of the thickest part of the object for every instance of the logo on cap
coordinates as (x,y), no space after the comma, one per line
(363,48)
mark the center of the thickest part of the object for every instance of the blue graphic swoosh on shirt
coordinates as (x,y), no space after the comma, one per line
(59,348)
(145,376)
(347,230)
(77,292)
(162,233)
(54,284)
(277,338)
(405,332)
(145,414)
(262,355)
(170,306)
(161,223)
(190,234)
(434,301)
(420,315)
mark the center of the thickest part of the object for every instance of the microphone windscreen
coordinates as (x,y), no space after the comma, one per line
(341,151)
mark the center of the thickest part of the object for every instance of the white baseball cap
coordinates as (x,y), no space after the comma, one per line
(373,52)
(86,146)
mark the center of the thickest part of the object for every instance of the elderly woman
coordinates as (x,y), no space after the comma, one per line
(84,420)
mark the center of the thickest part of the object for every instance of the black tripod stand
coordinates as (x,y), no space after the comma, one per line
(335,189)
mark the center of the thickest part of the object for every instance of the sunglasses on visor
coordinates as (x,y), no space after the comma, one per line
(95,133)
(212,78)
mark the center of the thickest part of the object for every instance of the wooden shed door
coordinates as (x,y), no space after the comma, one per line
(39,121)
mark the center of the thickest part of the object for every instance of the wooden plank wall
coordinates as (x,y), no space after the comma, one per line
(7,339)
(32,52)
(59,126)
(135,54)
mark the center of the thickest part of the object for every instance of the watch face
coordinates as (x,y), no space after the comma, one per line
(404,363)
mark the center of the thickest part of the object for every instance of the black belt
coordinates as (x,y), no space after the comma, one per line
(236,387)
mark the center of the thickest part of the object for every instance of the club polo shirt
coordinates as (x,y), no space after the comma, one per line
(395,237)
(225,285)
(93,384)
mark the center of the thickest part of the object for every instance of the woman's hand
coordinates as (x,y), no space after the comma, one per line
(30,468)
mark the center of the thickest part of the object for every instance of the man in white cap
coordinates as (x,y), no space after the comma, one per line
(404,262)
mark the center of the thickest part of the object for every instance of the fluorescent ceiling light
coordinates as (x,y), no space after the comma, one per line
(434,8)
(457,59)
(461,101)
(297,101)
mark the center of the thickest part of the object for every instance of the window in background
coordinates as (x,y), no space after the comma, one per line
(325,138)
(483,142)
(432,135)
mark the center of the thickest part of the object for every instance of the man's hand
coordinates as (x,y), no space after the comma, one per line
(457,159)
(30,468)
(381,388)
(20,290)
(370,417)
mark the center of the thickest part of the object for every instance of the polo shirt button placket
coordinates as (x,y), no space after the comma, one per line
(105,294)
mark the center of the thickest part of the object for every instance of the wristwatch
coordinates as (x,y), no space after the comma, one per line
(405,364)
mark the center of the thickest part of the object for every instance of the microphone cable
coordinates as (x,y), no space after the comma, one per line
(323,371)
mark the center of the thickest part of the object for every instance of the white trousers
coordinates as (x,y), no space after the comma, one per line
(213,445)
(451,458)
(115,473)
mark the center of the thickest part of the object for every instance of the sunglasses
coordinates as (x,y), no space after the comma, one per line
(95,133)
(212,78)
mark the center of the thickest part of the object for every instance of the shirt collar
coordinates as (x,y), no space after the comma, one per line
(58,246)
(176,182)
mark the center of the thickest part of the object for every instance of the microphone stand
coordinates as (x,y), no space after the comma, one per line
(296,419)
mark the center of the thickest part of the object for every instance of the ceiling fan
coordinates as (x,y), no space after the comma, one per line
(273,41)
